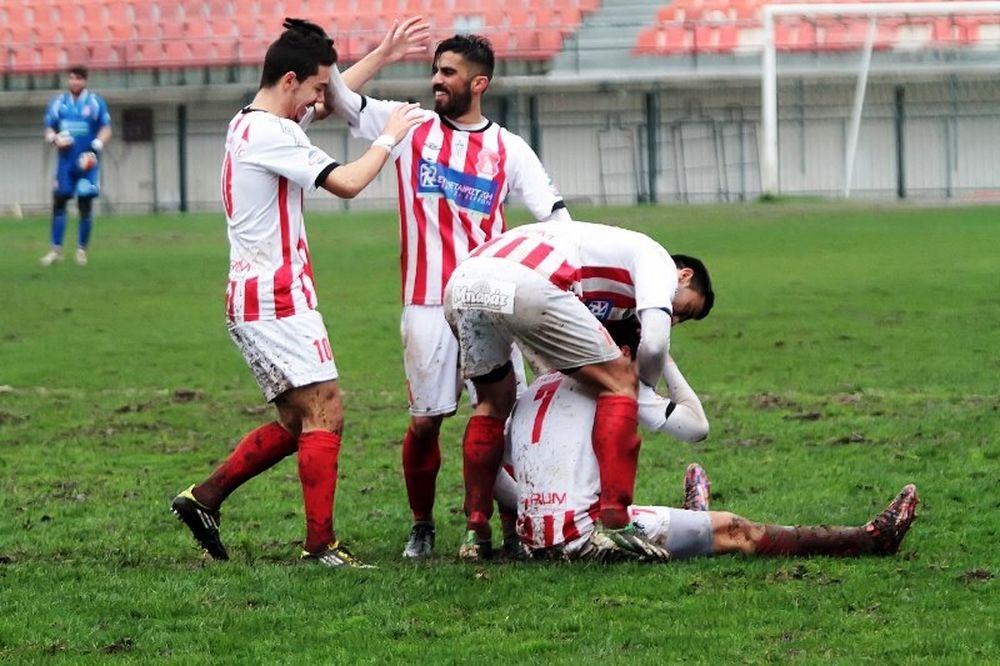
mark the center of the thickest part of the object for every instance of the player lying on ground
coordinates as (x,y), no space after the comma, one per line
(548,287)
(558,490)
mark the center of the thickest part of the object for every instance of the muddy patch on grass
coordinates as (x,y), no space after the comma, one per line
(975,576)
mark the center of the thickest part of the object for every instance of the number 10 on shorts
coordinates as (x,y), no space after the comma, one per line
(324,350)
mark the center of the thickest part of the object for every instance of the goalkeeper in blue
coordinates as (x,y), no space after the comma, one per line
(77,125)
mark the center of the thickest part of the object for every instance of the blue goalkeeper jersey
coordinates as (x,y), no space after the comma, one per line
(82,117)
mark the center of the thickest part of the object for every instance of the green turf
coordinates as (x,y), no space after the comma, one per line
(853,349)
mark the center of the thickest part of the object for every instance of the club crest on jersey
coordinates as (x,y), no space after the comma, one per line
(600,309)
(467,191)
(316,156)
(488,163)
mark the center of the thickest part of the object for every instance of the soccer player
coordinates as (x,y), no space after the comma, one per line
(548,287)
(558,491)
(454,172)
(78,125)
(271,298)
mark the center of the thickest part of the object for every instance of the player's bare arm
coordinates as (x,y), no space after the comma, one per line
(348,180)
(402,39)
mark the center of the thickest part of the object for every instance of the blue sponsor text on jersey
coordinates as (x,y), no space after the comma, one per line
(468,191)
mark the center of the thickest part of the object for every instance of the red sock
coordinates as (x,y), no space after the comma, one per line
(820,540)
(482,453)
(318,453)
(260,450)
(421,462)
(616,445)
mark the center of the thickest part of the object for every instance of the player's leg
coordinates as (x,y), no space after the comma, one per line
(58,227)
(482,454)
(880,536)
(86,207)
(430,359)
(87,189)
(483,331)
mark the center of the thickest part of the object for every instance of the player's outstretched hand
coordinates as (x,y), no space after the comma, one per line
(403,118)
(403,38)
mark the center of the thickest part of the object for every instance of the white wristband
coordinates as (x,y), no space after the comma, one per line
(97,145)
(385,141)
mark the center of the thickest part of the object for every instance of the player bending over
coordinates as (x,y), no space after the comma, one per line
(548,287)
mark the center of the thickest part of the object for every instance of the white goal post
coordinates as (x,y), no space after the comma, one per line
(769,75)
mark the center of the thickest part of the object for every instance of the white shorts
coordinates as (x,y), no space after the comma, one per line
(430,359)
(493,302)
(681,532)
(285,353)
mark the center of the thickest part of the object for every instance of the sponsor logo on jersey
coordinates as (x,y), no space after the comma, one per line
(467,191)
(600,309)
(542,499)
(489,295)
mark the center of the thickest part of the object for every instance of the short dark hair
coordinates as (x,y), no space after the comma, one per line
(302,48)
(625,332)
(700,281)
(78,70)
(475,49)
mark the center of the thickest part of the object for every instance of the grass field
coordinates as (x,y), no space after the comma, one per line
(851,350)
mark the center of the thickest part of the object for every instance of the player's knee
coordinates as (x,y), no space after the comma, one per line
(424,427)
(86,205)
(59,204)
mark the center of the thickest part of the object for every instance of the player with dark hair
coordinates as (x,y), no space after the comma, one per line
(548,287)
(454,173)
(78,124)
(271,298)
(558,489)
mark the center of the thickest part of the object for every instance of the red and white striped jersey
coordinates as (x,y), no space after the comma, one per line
(268,165)
(616,272)
(452,185)
(550,451)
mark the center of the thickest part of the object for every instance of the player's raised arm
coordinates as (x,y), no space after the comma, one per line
(342,98)
(348,180)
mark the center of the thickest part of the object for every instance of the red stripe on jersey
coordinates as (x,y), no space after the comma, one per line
(617,300)
(570,532)
(251,303)
(419,296)
(246,132)
(471,160)
(528,530)
(447,230)
(565,276)
(484,247)
(227,185)
(510,470)
(606,272)
(549,529)
(510,247)
(537,255)
(404,247)
(445,217)
(501,182)
(230,297)
(284,306)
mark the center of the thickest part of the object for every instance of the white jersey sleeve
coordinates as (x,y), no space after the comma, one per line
(681,416)
(374,115)
(285,149)
(528,179)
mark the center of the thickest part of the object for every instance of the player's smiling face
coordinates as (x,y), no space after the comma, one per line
(452,85)
(305,94)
